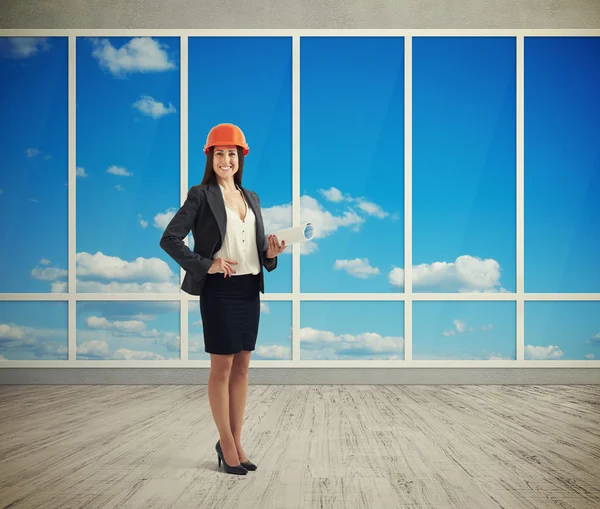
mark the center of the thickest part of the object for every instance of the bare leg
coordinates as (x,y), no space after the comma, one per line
(238,390)
(218,397)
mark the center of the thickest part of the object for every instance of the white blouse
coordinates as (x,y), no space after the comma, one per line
(240,240)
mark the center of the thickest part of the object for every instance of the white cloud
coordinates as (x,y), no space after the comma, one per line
(96,348)
(38,341)
(129,355)
(118,187)
(543,352)
(466,274)
(23,47)
(11,332)
(100,273)
(153,108)
(95,340)
(48,274)
(100,349)
(143,223)
(117,170)
(589,356)
(332,194)
(117,287)
(196,343)
(321,344)
(32,152)
(99,322)
(277,217)
(358,267)
(45,261)
(273,352)
(371,209)
(59,287)
(264,307)
(461,326)
(162,219)
(2,358)
(81,172)
(325,223)
(306,248)
(140,54)
(144,317)
(99,265)
(33,200)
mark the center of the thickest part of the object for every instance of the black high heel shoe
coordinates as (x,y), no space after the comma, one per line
(248,465)
(238,469)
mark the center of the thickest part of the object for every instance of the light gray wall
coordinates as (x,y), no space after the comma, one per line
(306,14)
(327,14)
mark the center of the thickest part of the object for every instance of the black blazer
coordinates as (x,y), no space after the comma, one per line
(203,212)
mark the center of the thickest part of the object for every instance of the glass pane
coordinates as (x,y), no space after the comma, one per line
(464,330)
(562,164)
(562,330)
(128,330)
(127,162)
(351,330)
(274,341)
(34,164)
(34,331)
(352,163)
(464,164)
(253,92)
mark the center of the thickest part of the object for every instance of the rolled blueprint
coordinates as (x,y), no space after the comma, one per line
(296,234)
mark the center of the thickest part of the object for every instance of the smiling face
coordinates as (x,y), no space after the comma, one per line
(225,161)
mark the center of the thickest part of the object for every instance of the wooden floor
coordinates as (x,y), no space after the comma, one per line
(332,447)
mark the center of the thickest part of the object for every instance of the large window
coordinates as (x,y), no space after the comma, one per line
(33,331)
(352,163)
(562,330)
(477,154)
(33,164)
(352,330)
(464,164)
(464,330)
(562,164)
(247,81)
(128,330)
(127,163)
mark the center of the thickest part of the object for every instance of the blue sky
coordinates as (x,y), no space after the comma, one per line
(352,189)
(562,164)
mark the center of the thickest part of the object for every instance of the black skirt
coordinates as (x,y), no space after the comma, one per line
(230,310)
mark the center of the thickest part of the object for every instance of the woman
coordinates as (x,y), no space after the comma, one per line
(226,270)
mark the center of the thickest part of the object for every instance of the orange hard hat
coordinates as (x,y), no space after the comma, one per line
(226,134)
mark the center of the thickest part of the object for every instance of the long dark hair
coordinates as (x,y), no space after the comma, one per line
(209,172)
